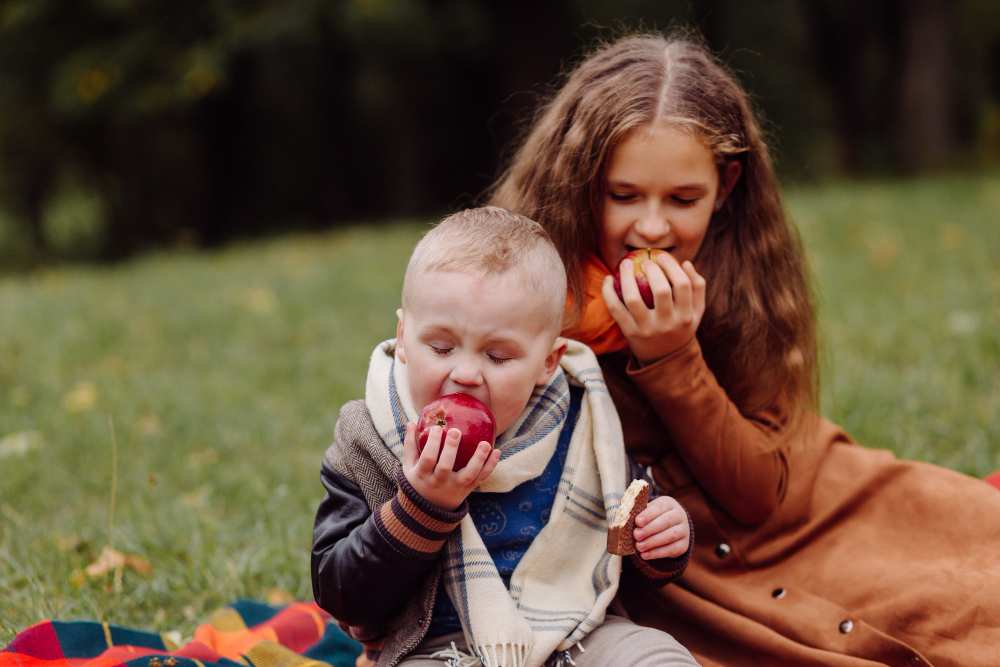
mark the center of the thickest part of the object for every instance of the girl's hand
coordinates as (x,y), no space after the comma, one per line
(433,478)
(678,306)
(662,529)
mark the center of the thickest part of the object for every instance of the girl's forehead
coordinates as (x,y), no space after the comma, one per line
(660,146)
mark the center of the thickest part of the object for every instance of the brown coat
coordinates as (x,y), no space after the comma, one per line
(819,552)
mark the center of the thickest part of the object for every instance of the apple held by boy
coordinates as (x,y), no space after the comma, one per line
(466,413)
(638,257)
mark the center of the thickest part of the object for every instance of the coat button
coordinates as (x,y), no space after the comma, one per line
(722,550)
(778,593)
(846,626)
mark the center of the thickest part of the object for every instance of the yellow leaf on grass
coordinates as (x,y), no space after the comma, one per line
(259,300)
(276,596)
(68,542)
(20,443)
(81,398)
(111,559)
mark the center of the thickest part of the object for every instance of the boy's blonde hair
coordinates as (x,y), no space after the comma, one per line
(492,242)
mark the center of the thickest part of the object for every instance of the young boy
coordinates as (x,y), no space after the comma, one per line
(504,560)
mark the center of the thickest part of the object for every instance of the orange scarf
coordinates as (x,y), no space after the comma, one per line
(596,327)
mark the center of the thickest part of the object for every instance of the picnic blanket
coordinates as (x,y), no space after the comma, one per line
(244,633)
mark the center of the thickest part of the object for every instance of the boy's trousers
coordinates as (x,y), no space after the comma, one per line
(617,643)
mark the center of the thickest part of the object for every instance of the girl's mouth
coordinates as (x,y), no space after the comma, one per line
(631,248)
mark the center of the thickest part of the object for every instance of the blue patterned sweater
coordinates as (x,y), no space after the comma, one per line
(508,522)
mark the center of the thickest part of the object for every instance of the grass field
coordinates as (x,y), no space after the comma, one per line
(222,374)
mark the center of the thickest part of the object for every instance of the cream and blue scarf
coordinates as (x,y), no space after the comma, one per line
(562,586)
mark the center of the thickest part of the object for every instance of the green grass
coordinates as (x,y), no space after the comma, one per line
(223,374)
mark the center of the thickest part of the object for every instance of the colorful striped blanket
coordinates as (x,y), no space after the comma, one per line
(245,632)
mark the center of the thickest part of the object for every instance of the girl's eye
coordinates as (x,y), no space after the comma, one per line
(499,361)
(686,201)
(620,196)
(441,351)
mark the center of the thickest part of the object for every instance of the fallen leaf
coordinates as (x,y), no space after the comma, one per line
(80,398)
(110,559)
(115,365)
(148,425)
(204,457)
(68,542)
(20,443)
(952,236)
(259,300)
(276,596)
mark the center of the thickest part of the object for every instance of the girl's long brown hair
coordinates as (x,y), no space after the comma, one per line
(758,332)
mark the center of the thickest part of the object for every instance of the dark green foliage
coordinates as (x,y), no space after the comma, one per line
(128,124)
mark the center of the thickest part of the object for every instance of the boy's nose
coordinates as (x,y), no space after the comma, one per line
(466,373)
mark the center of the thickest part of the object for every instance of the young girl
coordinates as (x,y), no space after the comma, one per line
(810,550)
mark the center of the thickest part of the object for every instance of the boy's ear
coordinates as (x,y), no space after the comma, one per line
(552,360)
(730,176)
(399,336)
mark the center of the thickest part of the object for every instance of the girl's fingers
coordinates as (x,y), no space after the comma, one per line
(679,280)
(630,290)
(698,288)
(663,298)
(447,459)
(614,304)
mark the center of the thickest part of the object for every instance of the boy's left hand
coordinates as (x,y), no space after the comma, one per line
(662,529)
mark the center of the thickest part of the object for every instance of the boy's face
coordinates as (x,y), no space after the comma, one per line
(488,337)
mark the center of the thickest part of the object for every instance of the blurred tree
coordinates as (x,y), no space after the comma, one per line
(145,123)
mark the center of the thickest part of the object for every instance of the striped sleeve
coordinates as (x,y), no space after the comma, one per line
(412,525)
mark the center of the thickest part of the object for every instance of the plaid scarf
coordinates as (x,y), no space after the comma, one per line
(562,586)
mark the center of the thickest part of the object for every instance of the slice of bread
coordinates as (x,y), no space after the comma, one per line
(621,537)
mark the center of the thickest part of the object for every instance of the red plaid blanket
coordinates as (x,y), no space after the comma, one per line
(244,633)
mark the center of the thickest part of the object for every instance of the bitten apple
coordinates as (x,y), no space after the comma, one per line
(638,257)
(466,413)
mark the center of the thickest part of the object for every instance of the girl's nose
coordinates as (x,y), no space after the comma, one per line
(652,224)
(466,372)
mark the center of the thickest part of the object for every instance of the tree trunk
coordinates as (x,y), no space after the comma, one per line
(923,132)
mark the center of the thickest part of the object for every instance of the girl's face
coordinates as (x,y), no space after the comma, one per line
(661,188)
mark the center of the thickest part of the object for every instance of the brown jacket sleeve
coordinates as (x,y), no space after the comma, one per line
(734,458)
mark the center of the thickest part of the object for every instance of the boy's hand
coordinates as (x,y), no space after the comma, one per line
(433,478)
(679,304)
(662,529)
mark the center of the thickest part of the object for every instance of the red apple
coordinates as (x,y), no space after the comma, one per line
(638,257)
(464,412)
